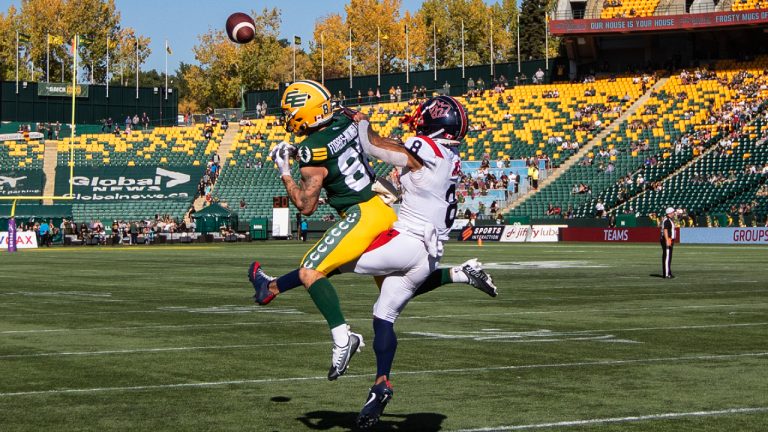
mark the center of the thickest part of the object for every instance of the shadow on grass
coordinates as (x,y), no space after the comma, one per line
(422,422)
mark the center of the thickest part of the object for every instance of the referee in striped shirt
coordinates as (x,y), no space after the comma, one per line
(667,240)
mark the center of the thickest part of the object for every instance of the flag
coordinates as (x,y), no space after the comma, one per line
(168,48)
(112,44)
(23,38)
(297,40)
(85,41)
(55,40)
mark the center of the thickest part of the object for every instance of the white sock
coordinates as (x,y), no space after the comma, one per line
(458,276)
(340,335)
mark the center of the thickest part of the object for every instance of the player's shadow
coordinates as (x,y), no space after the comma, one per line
(421,422)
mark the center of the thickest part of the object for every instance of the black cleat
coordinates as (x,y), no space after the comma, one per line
(478,278)
(378,397)
(342,355)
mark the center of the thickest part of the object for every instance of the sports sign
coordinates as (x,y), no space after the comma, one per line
(485,233)
(724,235)
(61,89)
(130,183)
(658,23)
(611,235)
(24,240)
(21,182)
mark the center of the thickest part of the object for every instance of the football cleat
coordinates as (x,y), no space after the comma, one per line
(478,278)
(378,397)
(342,355)
(260,282)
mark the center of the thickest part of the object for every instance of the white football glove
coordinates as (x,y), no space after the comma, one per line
(281,155)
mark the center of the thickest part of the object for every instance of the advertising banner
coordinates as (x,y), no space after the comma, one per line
(724,235)
(61,89)
(24,240)
(531,233)
(21,182)
(485,233)
(658,23)
(21,136)
(611,235)
(104,184)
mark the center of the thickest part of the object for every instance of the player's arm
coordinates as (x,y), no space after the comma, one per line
(307,196)
(387,149)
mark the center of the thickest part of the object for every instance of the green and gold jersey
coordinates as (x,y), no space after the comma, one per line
(337,148)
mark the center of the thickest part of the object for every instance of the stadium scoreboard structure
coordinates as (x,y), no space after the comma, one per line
(666,36)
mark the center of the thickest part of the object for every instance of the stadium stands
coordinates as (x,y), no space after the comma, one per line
(167,147)
(672,128)
(21,154)
(628,8)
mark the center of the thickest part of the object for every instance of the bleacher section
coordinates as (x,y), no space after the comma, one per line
(21,154)
(676,109)
(695,190)
(168,148)
(628,8)
(742,5)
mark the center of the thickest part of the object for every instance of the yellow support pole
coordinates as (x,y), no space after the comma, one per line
(72,126)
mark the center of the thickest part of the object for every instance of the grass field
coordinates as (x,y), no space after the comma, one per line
(581,338)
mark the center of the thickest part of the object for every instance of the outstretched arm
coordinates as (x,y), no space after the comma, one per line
(387,149)
(306,196)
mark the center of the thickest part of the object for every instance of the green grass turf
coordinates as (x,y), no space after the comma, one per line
(95,339)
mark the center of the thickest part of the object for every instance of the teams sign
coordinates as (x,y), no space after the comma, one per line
(24,240)
(102,184)
(724,235)
(21,182)
(658,23)
(611,235)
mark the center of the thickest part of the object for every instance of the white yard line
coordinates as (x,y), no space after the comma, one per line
(367,319)
(288,344)
(368,376)
(647,417)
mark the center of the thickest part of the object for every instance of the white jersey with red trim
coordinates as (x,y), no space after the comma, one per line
(429,193)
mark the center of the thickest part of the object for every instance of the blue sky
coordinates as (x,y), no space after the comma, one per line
(181,21)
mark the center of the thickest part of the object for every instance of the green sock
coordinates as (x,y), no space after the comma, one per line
(327,302)
(439,277)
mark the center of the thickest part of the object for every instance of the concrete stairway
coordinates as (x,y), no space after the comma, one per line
(223,152)
(589,146)
(49,168)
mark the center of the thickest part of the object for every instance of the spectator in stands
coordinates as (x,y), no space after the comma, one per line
(600,209)
(538,77)
(145,120)
(242,204)
(224,125)
(44,233)
(134,231)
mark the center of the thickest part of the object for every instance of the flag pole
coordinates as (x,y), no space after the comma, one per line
(17,62)
(350,57)
(166,70)
(137,67)
(322,58)
(518,42)
(462,50)
(106,77)
(294,58)
(493,75)
(378,56)
(48,57)
(407,57)
(434,46)
(546,41)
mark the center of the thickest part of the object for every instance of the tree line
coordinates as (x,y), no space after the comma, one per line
(224,70)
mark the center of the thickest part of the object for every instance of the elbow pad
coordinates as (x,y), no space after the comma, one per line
(392,157)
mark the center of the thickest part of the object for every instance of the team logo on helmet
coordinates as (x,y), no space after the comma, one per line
(439,109)
(296,99)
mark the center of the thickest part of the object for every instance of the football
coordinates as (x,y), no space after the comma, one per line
(240,28)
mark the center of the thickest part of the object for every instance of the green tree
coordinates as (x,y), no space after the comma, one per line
(532,29)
